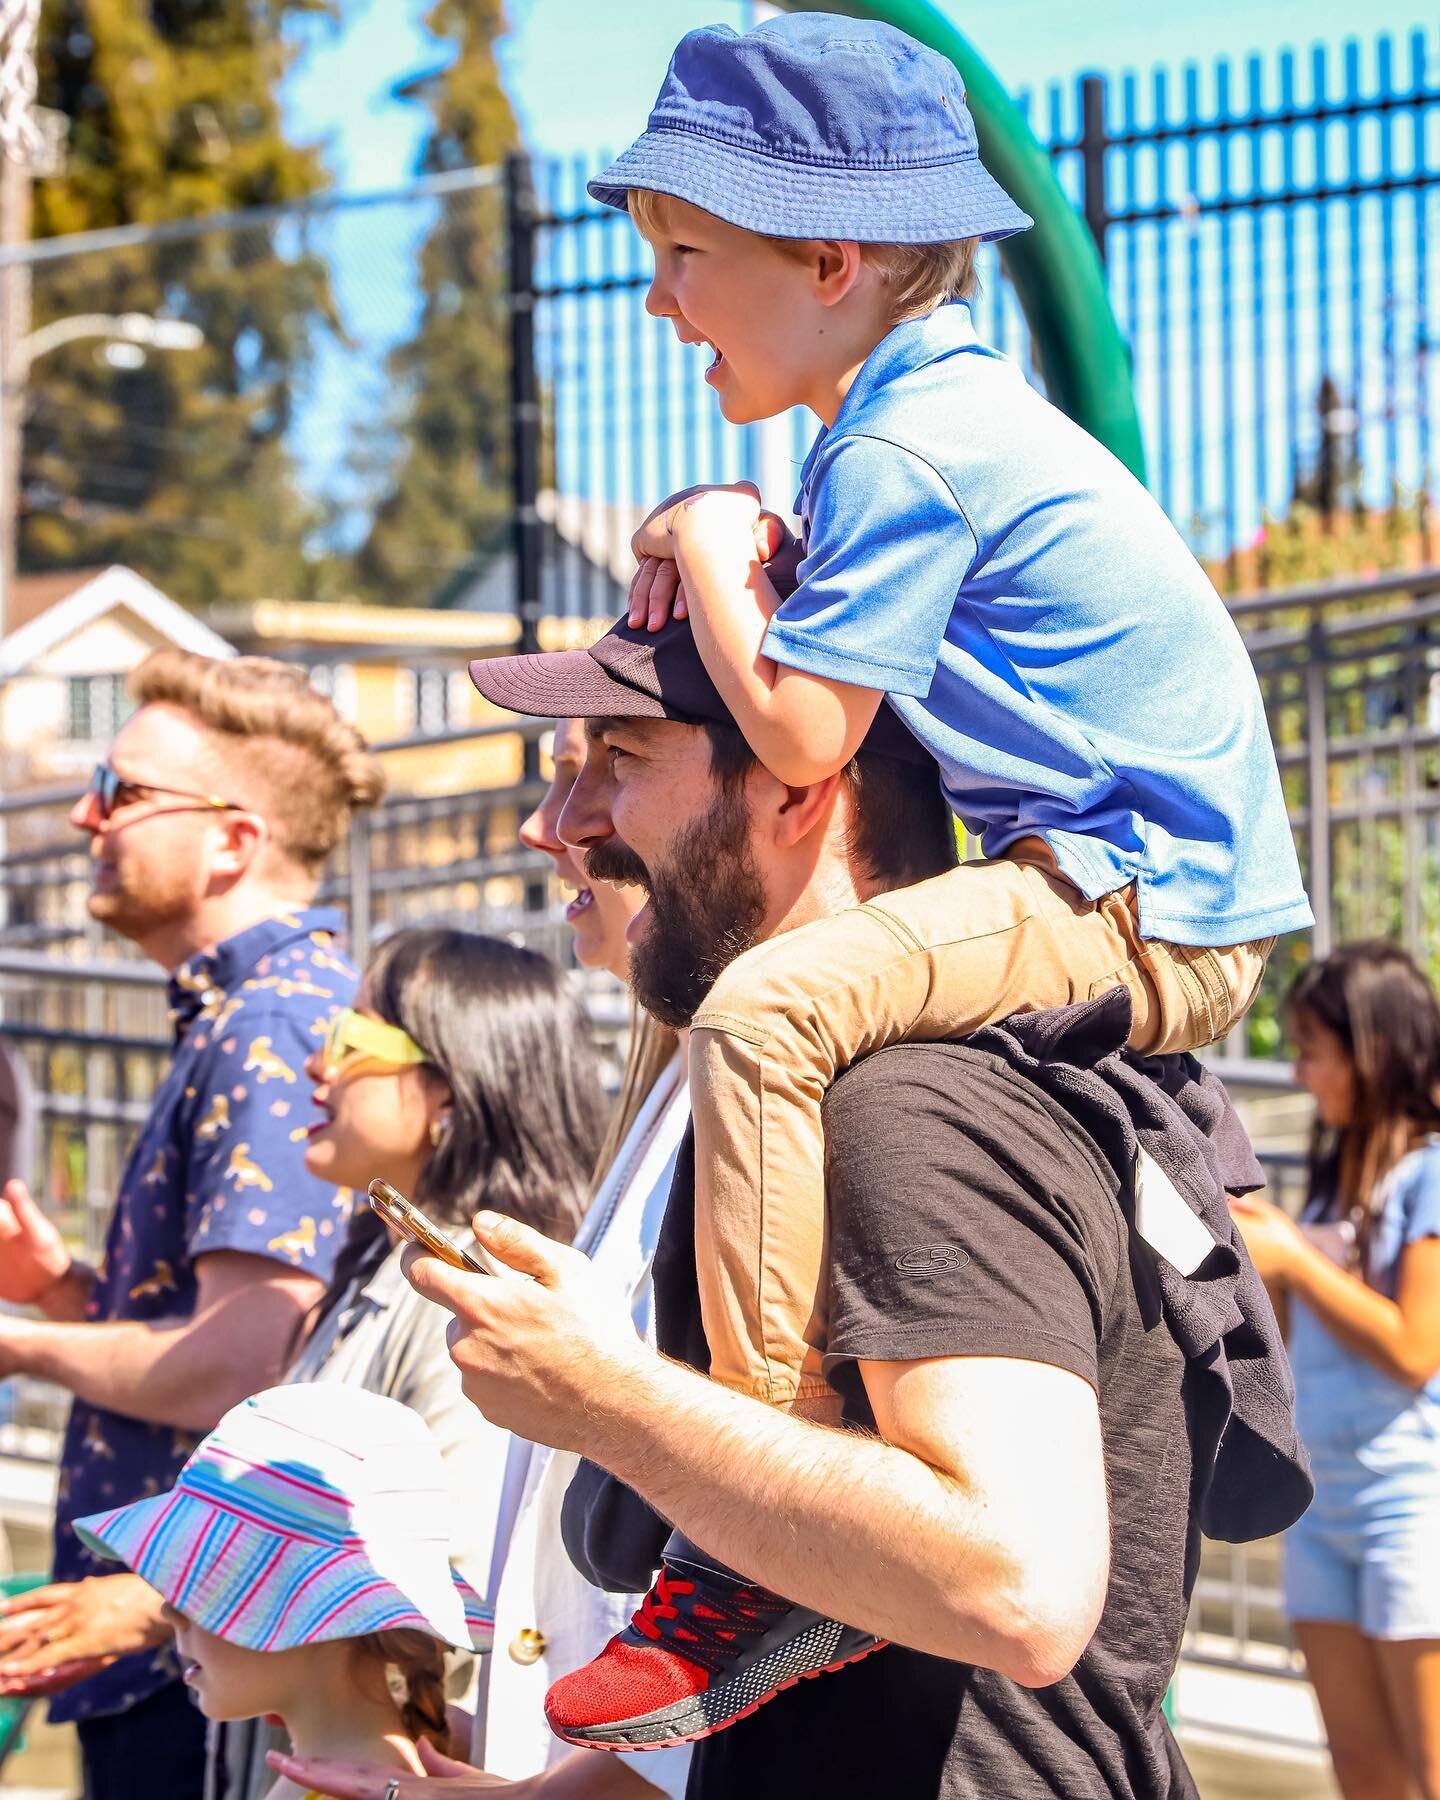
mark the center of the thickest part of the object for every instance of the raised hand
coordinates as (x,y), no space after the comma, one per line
(656,593)
(33,1257)
(56,1635)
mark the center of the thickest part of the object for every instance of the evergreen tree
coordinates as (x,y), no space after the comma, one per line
(179,466)
(441,461)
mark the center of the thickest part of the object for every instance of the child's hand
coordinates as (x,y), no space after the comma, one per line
(656,593)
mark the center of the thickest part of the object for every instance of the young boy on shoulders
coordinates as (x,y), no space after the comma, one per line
(814,198)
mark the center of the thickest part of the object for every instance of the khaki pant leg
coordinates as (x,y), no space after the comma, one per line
(931,961)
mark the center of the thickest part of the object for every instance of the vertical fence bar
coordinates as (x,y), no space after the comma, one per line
(1356,214)
(1287,223)
(1254,106)
(1419,76)
(1230,460)
(1163,431)
(521,230)
(1129,119)
(362,923)
(1389,301)
(1317,748)
(1094,142)
(1194,268)
(1324,213)
(588,601)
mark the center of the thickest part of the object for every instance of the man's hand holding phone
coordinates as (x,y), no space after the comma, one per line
(534,1354)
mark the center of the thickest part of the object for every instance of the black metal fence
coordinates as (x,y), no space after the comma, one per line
(1265,228)
(1265,225)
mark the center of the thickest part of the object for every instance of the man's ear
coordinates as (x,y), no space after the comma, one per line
(242,837)
(803,810)
(836,267)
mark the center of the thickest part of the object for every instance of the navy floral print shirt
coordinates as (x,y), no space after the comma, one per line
(217,1166)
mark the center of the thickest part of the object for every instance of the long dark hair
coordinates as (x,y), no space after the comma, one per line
(505,1031)
(1384,1012)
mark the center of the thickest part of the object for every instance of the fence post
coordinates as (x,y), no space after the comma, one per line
(522,229)
(362,906)
(1317,748)
(521,214)
(1094,140)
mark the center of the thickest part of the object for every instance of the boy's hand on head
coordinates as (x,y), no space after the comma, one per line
(657,593)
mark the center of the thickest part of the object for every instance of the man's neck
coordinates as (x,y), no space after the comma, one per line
(818,888)
(215,920)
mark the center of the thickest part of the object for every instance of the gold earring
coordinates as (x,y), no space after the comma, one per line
(439,1125)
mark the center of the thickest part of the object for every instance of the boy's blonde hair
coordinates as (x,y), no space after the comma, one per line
(920,276)
(308,767)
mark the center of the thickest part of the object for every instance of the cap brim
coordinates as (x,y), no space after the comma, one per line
(935,204)
(561,684)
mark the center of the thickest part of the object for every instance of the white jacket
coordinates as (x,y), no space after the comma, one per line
(536,1590)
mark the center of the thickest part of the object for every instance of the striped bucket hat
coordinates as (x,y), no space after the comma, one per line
(309,1513)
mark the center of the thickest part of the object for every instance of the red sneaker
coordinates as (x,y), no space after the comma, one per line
(704,1650)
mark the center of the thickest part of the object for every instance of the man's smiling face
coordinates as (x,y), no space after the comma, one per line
(648,809)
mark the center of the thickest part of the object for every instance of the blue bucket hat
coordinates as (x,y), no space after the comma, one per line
(817,126)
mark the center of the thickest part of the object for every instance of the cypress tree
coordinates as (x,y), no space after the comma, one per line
(178,467)
(439,464)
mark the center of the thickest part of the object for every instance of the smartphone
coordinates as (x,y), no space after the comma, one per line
(410,1222)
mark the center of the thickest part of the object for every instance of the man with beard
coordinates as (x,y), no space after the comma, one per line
(1030,1444)
(208,825)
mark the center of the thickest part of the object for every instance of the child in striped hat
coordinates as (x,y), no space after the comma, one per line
(302,1556)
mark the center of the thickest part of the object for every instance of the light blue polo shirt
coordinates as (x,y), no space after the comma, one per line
(1041,627)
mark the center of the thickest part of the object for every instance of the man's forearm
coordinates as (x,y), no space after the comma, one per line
(849,1526)
(164,1373)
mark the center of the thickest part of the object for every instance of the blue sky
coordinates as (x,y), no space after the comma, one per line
(582,73)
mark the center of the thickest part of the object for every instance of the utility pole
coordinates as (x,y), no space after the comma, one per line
(15,205)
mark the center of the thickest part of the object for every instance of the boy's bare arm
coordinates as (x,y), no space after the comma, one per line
(803,727)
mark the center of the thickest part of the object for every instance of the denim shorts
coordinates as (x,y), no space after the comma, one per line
(1367,1553)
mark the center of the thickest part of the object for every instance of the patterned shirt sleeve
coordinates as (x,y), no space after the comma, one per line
(247,1187)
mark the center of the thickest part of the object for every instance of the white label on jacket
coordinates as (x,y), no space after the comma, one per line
(1166,1220)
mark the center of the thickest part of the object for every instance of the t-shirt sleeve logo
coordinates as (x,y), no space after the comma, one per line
(932,1259)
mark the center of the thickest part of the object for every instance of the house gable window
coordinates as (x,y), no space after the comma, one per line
(96,707)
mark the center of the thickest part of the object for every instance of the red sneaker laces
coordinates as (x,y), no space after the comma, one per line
(710,1631)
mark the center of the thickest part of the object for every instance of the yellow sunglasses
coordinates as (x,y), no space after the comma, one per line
(355,1037)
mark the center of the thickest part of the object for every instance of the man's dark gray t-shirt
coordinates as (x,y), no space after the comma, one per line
(970,1216)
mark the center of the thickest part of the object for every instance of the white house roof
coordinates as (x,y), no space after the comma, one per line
(114,587)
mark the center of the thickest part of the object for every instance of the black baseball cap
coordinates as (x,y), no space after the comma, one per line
(632,673)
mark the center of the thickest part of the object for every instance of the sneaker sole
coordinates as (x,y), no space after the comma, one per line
(702,1715)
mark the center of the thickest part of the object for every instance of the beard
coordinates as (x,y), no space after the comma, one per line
(707,906)
(137,901)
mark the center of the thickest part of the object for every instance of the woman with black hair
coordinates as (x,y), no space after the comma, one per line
(464,1075)
(1359,1279)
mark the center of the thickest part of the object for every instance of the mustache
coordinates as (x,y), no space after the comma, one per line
(616,862)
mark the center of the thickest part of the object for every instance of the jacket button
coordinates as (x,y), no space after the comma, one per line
(527,1646)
